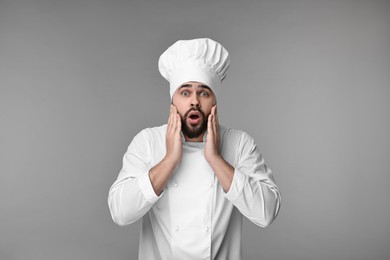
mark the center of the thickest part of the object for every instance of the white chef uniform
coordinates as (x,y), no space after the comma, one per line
(193,218)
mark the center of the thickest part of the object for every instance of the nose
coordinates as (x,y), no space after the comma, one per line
(195,101)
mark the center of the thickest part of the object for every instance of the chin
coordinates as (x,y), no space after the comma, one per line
(192,131)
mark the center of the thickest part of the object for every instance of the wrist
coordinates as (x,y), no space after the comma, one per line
(171,161)
(215,158)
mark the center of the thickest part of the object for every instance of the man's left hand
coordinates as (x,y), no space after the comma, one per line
(222,169)
(212,149)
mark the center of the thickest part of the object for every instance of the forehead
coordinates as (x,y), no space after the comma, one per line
(194,84)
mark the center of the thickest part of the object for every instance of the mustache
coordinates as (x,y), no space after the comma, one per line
(194,109)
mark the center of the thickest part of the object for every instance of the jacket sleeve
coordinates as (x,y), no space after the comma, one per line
(253,190)
(132,195)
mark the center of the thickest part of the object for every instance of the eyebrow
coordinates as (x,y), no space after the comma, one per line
(190,86)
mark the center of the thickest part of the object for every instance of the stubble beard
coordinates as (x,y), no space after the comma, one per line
(193,131)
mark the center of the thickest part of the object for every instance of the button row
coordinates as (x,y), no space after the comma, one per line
(205,229)
(175,184)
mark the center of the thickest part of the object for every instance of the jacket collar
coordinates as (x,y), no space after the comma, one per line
(204,137)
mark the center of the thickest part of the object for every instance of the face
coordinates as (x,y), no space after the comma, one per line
(194,101)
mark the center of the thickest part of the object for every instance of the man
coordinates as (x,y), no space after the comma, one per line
(191,180)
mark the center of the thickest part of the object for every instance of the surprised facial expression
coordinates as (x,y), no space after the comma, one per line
(194,101)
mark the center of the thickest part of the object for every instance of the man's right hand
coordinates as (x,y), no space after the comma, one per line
(173,137)
(161,172)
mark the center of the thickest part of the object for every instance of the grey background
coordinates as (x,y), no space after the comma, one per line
(309,81)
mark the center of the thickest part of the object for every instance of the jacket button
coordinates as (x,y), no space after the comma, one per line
(206,229)
(176,228)
(175,184)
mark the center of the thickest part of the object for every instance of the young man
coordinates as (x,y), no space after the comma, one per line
(192,180)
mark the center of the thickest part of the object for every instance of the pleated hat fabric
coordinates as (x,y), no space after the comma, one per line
(202,60)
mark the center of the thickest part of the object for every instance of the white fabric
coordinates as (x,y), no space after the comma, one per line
(202,60)
(193,218)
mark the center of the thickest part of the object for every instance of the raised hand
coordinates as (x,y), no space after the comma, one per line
(161,172)
(173,137)
(212,149)
(222,169)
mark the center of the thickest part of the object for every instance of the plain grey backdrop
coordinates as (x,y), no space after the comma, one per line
(309,80)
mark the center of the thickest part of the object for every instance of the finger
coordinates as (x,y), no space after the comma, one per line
(210,122)
(173,119)
(177,119)
(178,123)
(210,125)
(174,110)
(174,114)
(213,119)
(216,128)
(216,119)
(213,110)
(214,125)
(216,114)
(170,119)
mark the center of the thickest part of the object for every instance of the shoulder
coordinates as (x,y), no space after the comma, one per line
(235,135)
(151,135)
(153,132)
(236,144)
(147,138)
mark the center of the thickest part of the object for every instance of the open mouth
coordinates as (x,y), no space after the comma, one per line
(194,117)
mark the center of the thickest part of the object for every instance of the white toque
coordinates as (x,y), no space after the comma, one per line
(202,60)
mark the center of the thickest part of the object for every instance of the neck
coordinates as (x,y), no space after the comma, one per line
(196,139)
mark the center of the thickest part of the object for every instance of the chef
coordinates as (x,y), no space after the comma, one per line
(191,181)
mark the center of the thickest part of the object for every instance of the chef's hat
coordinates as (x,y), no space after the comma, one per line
(202,60)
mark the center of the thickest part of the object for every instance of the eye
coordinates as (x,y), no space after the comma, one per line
(185,93)
(204,94)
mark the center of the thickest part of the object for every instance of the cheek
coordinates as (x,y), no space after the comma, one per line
(207,113)
(179,106)
(181,113)
(180,110)
(207,108)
